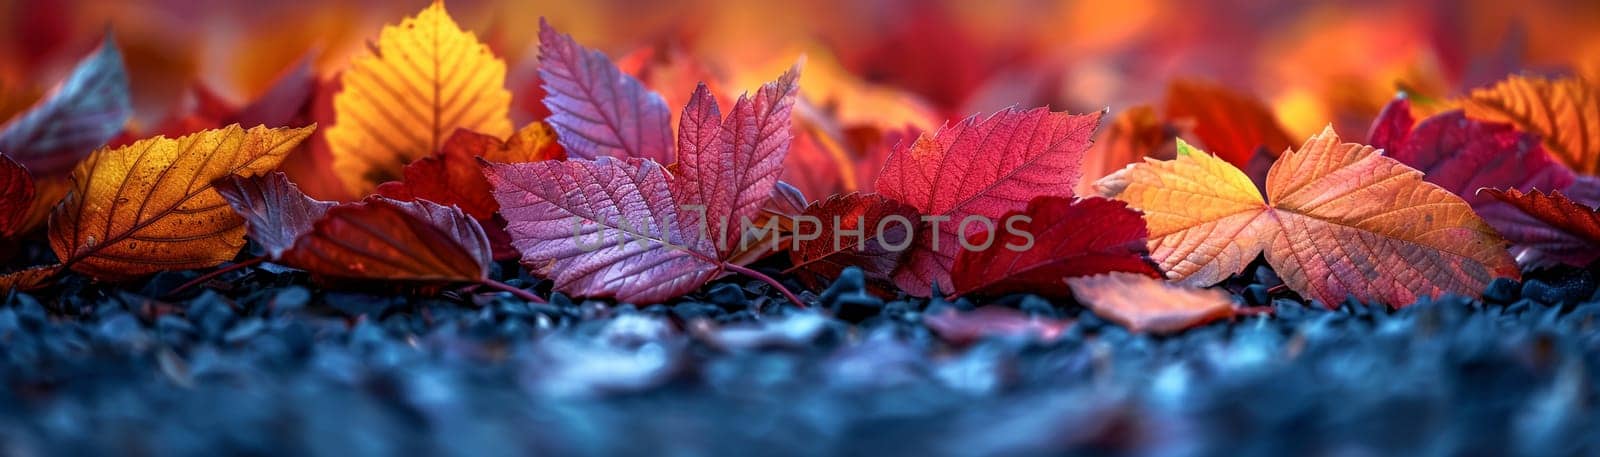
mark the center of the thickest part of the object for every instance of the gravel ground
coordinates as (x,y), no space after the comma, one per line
(267,362)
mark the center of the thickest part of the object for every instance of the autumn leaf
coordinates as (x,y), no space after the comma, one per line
(1143,304)
(1343,221)
(1230,124)
(1566,230)
(1563,112)
(603,228)
(1053,238)
(275,209)
(16,195)
(731,165)
(425,79)
(150,206)
(1464,155)
(80,114)
(28,279)
(872,233)
(596,109)
(980,168)
(391,240)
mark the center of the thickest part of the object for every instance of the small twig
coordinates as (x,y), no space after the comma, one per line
(214,274)
(766,279)
(519,293)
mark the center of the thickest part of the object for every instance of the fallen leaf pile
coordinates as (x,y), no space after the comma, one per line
(436,158)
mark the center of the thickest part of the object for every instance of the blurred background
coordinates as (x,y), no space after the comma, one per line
(888,62)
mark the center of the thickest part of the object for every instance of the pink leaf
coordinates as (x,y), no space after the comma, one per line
(602,228)
(82,113)
(596,109)
(734,174)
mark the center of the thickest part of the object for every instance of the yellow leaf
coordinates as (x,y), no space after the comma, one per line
(426,78)
(150,206)
(1343,220)
(1565,112)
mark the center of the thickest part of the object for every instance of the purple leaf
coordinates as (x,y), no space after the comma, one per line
(596,109)
(275,209)
(81,114)
(602,228)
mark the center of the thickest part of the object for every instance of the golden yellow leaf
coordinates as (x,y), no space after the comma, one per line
(426,78)
(150,206)
(1343,220)
(1565,112)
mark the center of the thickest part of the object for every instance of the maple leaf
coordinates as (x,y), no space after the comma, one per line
(1463,155)
(1343,221)
(425,79)
(980,168)
(596,109)
(80,114)
(1143,304)
(885,226)
(16,195)
(392,240)
(1566,230)
(1563,112)
(731,169)
(275,209)
(1230,124)
(150,206)
(606,228)
(1054,238)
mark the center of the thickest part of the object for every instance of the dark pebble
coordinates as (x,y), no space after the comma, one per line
(1502,290)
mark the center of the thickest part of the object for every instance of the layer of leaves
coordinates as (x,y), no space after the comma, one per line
(150,206)
(1343,221)
(425,79)
(596,109)
(1054,238)
(1464,155)
(981,168)
(1562,112)
(608,227)
(1143,304)
(872,233)
(80,114)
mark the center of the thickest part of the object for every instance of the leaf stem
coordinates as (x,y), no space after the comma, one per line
(214,274)
(519,293)
(766,279)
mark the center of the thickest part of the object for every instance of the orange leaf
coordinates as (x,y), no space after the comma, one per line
(426,78)
(1135,134)
(150,206)
(29,279)
(1565,112)
(1143,304)
(1343,220)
